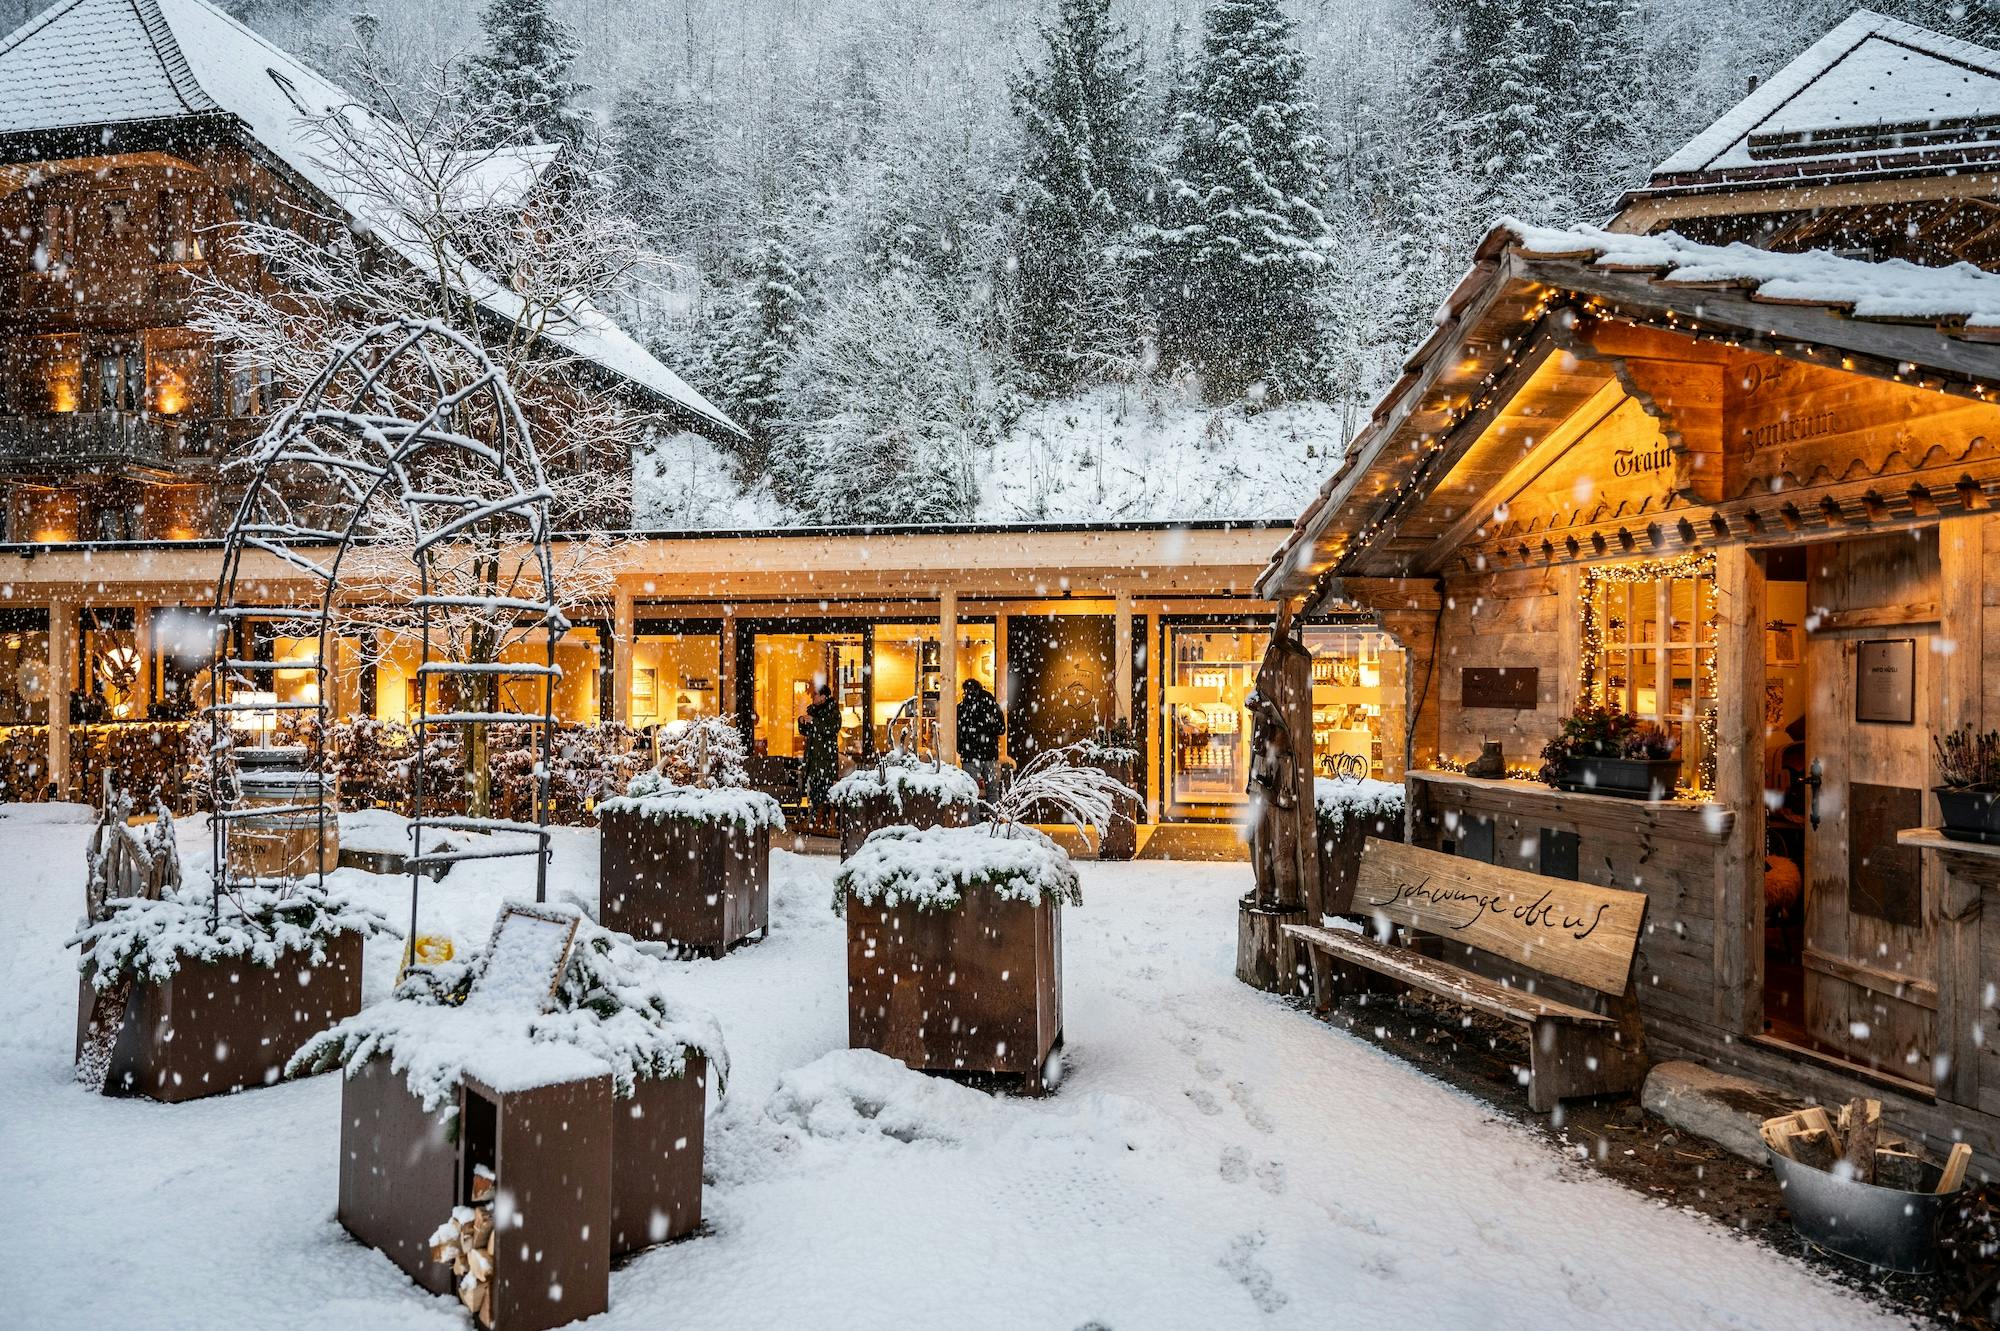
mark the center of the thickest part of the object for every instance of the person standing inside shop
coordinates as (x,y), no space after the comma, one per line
(821,728)
(981,723)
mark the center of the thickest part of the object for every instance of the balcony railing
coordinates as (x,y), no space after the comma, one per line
(98,441)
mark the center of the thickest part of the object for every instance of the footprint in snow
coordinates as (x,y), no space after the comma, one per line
(1207,1069)
(1205,1102)
(1271,1177)
(1235,1165)
(1253,1113)
(1241,1262)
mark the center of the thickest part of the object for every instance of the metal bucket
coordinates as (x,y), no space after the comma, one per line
(1884,1227)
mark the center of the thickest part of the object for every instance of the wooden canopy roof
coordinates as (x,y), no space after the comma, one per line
(1554,334)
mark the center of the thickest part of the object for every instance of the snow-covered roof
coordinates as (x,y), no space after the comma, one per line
(1873,88)
(499,177)
(88,63)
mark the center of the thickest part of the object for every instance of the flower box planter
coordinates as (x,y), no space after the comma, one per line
(688,866)
(954,949)
(228,1025)
(1629,778)
(1346,814)
(900,795)
(1121,839)
(1969,815)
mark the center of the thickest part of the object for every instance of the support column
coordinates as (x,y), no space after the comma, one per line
(1001,694)
(142,644)
(725,669)
(948,676)
(1963,879)
(62,664)
(1153,744)
(1739,788)
(1122,702)
(622,622)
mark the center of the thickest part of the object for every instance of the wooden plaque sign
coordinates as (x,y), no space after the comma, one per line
(1885,681)
(1575,931)
(1513,687)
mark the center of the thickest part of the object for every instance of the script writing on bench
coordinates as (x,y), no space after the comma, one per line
(1539,913)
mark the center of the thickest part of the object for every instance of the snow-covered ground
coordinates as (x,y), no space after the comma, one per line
(1214,1158)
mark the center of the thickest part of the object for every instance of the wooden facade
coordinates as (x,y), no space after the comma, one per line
(1775,528)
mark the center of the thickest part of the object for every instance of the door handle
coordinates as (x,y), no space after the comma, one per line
(1813,778)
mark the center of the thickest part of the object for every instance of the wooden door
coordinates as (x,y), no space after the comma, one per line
(1871,953)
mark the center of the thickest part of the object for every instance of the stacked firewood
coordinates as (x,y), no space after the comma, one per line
(466,1241)
(1854,1144)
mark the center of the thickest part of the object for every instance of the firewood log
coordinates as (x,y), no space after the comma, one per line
(479,1265)
(1814,1149)
(482,1227)
(1860,1125)
(482,1184)
(472,1293)
(1954,1168)
(1903,1170)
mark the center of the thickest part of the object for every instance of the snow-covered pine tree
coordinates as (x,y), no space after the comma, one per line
(1073,199)
(746,367)
(522,77)
(1241,239)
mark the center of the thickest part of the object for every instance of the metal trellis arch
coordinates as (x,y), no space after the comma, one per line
(410,436)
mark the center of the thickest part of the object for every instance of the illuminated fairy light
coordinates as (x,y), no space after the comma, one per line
(1697,567)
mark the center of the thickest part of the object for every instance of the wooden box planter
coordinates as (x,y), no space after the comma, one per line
(1346,814)
(701,882)
(900,796)
(973,986)
(218,1026)
(657,1139)
(1969,815)
(1120,840)
(1632,778)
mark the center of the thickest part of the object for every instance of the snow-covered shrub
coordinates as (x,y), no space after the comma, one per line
(933,868)
(148,940)
(900,774)
(1064,785)
(587,765)
(610,1011)
(707,751)
(654,797)
(1337,804)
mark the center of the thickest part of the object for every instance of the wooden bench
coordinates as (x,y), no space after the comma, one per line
(1572,931)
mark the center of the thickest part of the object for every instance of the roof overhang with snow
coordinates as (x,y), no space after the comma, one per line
(90,78)
(1656,342)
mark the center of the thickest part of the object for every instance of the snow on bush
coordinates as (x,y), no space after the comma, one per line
(707,751)
(899,774)
(610,1012)
(148,940)
(1335,802)
(652,796)
(933,868)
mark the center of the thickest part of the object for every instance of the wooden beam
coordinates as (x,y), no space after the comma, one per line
(1739,785)
(62,665)
(623,630)
(1121,703)
(947,675)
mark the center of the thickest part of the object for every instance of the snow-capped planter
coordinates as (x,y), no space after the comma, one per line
(688,865)
(435,1084)
(901,791)
(1114,750)
(954,947)
(1346,814)
(212,1005)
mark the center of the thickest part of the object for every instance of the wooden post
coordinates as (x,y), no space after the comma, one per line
(62,664)
(1283,847)
(725,668)
(622,628)
(947,731)
(1122,703)
(1153,744)
(1739,787)
(142,644)
(1962,621)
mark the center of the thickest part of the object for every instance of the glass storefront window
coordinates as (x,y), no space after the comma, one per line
(787,672)
(107,667)
(579,693)
(1212,671)
(24,667)
(183,649)
(1655,654)
(676,676)
(1353,673)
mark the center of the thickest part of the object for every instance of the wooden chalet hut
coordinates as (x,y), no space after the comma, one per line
(1753,497)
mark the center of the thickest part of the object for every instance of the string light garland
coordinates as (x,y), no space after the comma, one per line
(1698,568)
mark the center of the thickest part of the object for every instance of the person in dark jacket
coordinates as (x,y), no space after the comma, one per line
(981,723)
(821,728)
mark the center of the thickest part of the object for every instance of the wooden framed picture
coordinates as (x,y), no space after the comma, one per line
(1781,644)
(1885,681)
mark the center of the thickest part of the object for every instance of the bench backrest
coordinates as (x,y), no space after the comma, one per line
(1574,931)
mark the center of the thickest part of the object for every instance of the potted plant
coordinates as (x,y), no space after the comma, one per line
(411,1135)
(954,934)
(1603,751)
(1114,750)
(686,851)
(901,790)
(1968,795)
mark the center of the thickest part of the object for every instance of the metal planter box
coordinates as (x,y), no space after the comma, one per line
(1969,815)
(861,816)
(219,1026)
(973,989)
(1631,778)
(705,885)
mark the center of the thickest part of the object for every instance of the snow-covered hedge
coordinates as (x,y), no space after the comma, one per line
(654,797)
(933,868)
(1336,802)
(148,940)
(899,776)
(610,1012)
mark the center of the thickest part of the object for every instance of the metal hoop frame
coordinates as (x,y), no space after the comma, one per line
(352,403)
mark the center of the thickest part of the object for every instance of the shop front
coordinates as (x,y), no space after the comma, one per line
(1777,554)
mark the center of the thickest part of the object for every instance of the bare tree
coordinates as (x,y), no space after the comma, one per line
(504,246)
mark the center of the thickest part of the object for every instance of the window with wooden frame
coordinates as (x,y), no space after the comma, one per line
(180,231)
(1649,650)
(121,378)
(55,238)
